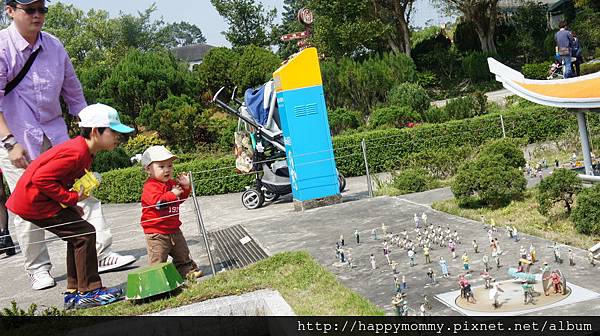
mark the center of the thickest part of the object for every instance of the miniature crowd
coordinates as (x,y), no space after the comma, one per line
(427,237)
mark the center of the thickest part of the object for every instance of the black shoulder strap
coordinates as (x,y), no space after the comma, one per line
(13,83)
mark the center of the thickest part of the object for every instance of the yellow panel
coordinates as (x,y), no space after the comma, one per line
(299,72)
(583,89)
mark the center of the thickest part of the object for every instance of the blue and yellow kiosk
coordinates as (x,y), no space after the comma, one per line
(303,115)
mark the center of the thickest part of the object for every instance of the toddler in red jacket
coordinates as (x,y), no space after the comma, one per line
(161,198)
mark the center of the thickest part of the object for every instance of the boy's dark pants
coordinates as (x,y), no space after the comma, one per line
(161,246)
(82,262)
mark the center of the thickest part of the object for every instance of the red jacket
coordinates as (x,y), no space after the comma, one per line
(47,180)
(160,207)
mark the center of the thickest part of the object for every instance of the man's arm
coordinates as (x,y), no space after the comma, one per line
(72,91)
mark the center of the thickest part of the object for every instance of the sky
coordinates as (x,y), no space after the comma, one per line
(205,16)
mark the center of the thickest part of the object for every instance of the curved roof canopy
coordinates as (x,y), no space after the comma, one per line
(579,92)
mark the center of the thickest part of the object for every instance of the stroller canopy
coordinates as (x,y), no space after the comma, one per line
(258,102)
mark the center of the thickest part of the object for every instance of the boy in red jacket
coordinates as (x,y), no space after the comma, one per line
(46,185)
(161,198)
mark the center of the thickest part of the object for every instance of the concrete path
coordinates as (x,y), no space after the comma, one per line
(278,228)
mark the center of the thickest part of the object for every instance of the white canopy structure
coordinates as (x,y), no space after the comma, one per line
(578,94)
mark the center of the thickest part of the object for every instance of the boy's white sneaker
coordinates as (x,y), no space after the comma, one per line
(114,261)
(41,280)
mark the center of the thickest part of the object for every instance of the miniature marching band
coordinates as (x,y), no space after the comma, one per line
(427,237)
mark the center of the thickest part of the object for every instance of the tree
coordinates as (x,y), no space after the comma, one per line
(249,22)
(414,180)
(586,216)
(507,149)
(394,116)
(342,119)
(531,26)
(183,33)
(345,28)
(486,181)
(289,24)
(483,13)
(396,14)
(411,95)
(143,78)
(255,67)
(561,186)
(217,69)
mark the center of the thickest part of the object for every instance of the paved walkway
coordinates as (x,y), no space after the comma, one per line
(278,228)
(498,97)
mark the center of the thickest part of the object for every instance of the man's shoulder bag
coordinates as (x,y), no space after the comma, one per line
(15,81)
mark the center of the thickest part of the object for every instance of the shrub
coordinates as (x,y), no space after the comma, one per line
(125,185)
(255,67)
(441,163)
(341,119)
(589,68)
(471,105)
(536,70)
(465,37)
(435,114)
(386,149)
(109,160)
(507,149)
(475,66)
(414,180)
(427,78)
(362,85)
(561,186)
(394,116)
(586,216)
(410,95)
(487,181)
(139,143)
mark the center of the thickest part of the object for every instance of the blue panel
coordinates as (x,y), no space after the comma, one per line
(309,150)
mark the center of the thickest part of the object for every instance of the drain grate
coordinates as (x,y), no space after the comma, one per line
(235,248)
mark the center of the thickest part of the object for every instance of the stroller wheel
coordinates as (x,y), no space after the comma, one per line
(342,181)
(252,199)
(270,197)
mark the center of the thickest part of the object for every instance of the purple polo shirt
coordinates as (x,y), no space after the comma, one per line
(33,109)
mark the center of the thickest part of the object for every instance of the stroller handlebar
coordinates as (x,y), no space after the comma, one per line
(216,96)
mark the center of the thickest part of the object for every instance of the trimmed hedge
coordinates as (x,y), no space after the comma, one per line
(125,185)
(536,70)
(386,149)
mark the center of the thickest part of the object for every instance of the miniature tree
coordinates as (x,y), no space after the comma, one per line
(586,216)
(561,186)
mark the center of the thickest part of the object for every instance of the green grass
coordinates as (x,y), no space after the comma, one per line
(524,215)
(306,286)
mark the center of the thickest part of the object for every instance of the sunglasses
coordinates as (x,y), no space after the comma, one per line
(32,10)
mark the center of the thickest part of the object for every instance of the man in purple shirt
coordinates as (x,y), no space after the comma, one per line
(31,122)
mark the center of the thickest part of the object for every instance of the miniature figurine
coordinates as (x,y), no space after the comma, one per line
(509,231)
(523,252)
(475,246)
(431,275)
(527,292)
(533,253)
(387,258)
(452,248)
(591,258)
(493,225)
(497,244)
(444,267)
(404,285)
(342,257)
(397,284)
(496,257)
(426,254)
(485,261)
(342,239)
(426,301)
(571,258)
(385,247)
(456,237)
(357,236)
(515,233)
(374,234)
(556,250)
(394,267)
(487,279)
(556,281)
(465,260)
(350,259)
(422,309)
(383,229)
(337,250)
(424,218)
(411,256)
(495,294)
(373,266)
(417,221)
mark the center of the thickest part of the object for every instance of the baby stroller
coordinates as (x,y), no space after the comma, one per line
(556,68)
(259,145)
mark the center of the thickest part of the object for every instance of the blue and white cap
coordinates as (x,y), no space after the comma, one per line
(100,115)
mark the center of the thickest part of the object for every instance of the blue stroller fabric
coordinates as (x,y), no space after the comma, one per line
(258,104)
